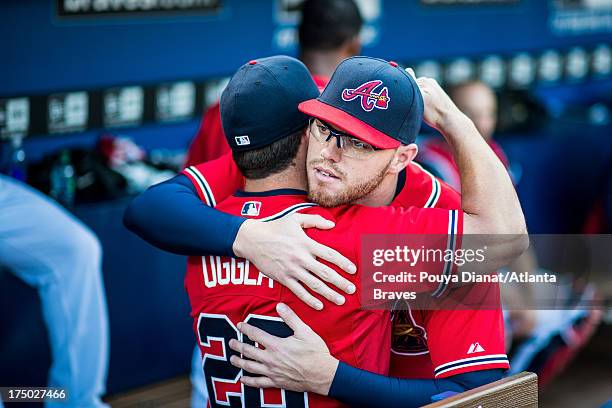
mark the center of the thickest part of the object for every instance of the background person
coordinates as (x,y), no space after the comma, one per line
(50,250)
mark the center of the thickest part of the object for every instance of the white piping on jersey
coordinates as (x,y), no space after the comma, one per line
(287,211)
(471,361)
(451,244)
(203,184)
(436,188)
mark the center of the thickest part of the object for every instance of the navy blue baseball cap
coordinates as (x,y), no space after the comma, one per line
(260,103)
(372,99)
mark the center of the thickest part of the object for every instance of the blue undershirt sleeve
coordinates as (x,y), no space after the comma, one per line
(171,216)
(360,388)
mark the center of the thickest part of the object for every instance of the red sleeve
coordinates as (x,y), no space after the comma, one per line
(209,143)
(215,180)
(422,189)
(462,341)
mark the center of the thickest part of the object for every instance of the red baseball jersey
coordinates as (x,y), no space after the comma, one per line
(209,143)
(224,291)
(426,343)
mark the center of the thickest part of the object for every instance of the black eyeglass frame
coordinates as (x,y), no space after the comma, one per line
(337,135)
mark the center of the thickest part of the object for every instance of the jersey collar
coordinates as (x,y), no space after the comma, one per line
(401,182)
(276,192)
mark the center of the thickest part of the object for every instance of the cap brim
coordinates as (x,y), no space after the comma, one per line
(348,123)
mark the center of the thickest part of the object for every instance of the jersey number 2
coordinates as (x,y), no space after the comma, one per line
(223,379)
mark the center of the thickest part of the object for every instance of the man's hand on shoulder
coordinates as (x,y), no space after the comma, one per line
(282,251)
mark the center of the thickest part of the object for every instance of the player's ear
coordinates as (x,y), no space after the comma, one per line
(402,157)
(350,47)
(353,46)
(305,136)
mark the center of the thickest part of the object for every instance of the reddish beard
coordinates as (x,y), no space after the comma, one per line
(349,194)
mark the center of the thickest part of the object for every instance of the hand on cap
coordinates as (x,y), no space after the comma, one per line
(439,108)
(283,252)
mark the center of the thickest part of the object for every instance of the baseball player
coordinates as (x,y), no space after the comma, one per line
(455,360)
(199,182)
(224,291)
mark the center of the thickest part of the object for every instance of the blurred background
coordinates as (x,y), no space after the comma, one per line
(101,98)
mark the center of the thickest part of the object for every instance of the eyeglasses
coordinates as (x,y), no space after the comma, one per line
(349,145)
